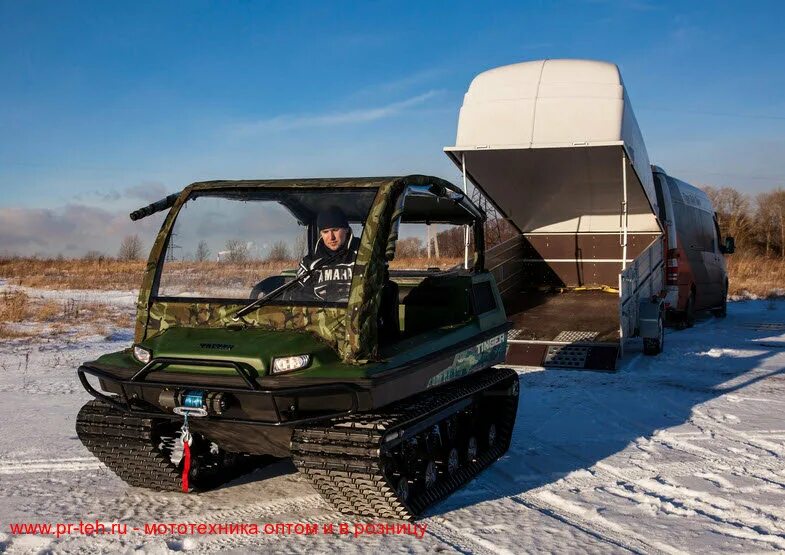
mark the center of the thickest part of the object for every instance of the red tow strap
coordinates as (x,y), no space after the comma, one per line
(186,465)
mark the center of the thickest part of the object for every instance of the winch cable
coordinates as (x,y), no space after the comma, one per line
(187,439)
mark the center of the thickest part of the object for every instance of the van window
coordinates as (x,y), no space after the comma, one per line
(717,231)
(689,226)
(658,185)
(708,237)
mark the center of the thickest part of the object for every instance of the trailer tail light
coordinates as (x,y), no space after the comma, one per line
(672,271)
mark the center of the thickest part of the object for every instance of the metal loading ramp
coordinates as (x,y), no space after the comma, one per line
(555,147)
(539,337)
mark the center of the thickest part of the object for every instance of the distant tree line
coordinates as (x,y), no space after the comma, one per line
(756,222)
(234,251)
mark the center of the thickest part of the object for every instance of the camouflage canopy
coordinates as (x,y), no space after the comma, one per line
(351,330)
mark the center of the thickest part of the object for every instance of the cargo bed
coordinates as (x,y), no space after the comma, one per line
(545,316)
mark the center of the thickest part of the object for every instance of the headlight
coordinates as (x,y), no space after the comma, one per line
(287,364)
(142,355)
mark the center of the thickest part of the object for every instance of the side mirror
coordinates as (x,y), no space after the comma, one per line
(729,247)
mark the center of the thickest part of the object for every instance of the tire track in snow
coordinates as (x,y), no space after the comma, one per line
(547,503)
(757,522)
(704,421)
(763,470)
(754,521)
(33,466)
(460,540)
(765,524)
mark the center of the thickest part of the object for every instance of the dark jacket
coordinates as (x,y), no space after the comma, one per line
(332,280)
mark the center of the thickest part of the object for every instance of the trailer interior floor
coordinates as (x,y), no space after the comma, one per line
(543,316)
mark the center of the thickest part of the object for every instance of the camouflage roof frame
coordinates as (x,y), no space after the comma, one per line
(355,337)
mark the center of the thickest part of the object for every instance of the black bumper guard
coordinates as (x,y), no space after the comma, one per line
(138,380)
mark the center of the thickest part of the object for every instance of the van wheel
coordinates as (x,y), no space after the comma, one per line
(689,312)
(722,310)
(653,345)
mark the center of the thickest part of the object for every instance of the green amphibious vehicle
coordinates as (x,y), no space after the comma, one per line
(375,374)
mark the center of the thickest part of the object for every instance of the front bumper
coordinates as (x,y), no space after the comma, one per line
(138,392)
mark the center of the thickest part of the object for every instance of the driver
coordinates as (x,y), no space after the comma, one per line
(331,280)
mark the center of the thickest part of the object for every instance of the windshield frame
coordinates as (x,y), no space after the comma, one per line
(216,192)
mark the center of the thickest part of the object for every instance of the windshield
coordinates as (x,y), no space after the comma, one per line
(243,244)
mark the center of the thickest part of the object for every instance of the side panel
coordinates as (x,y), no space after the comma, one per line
(577,260)
(641,281)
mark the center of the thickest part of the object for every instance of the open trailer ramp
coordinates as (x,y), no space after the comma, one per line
(556,148)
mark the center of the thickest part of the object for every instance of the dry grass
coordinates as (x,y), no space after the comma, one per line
(118,275)
(48,311)
(8,333)
(757,275)
(14,306)
(219,279)
(747,274)
(18,311)
(422,263)
(72,274)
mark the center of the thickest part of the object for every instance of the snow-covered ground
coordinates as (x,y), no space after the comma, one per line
(684,452)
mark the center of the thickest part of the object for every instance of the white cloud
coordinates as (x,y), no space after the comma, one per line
(70,230)
(299,121)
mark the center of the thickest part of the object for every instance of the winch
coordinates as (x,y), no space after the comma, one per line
(195,402)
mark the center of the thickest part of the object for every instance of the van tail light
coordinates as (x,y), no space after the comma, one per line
(672,270)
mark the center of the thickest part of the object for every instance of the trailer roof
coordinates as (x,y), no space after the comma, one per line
(548,103)
(558,122)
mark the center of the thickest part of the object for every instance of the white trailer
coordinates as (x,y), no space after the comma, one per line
(555,146)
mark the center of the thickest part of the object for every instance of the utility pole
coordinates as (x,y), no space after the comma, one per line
(171,247)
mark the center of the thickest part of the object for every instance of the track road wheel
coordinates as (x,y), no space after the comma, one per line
(491,436)
(430,475)
(471,449)
(653,345)
(453,461)
(402,488)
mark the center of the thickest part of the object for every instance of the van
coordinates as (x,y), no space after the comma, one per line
(696,276)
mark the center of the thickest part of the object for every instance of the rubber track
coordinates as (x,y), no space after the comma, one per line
(343,458)
(124,443)
(127,445)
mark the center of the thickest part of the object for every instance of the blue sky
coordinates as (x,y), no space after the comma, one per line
(105,105)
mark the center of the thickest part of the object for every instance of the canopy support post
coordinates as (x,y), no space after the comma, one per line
(466,227)
(624,213)
(623,241)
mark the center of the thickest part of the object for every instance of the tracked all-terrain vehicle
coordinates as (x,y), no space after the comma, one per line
(385,395)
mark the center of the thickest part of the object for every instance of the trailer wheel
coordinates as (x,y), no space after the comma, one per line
(653,345)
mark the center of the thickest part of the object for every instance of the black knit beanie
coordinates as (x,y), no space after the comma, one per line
(331,217)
